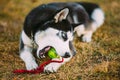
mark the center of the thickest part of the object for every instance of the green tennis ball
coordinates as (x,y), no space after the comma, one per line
(52,53)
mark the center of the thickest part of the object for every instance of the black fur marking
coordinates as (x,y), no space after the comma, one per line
(74,25)
(21,45)
(89,7)
(74,8)
(41,18)
(36,18)
(64,25)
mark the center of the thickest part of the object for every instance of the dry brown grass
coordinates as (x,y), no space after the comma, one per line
(97,60)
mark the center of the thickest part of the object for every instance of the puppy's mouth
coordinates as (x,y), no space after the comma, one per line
(65,56)
(42,52)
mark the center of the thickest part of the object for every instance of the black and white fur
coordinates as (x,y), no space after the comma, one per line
(53,24)
(85,17)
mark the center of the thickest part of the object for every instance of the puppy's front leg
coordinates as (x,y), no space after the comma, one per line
(26,52)
(54,66)
(28,58)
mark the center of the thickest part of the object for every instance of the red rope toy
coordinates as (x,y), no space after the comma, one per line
(51,53)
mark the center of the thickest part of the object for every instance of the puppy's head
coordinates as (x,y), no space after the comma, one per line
(57,33)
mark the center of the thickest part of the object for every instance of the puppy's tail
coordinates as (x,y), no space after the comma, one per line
(97,17)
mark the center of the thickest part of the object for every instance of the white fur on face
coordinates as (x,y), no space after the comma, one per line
(70,35)
(49,37)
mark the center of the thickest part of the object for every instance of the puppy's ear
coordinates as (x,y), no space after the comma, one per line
(62,14)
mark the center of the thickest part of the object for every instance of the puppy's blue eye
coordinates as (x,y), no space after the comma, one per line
(64,36)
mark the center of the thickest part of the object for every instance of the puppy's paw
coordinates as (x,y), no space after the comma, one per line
(31,65)
(86,39)
(52,67)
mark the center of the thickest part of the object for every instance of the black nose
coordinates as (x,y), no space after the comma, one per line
(67,54)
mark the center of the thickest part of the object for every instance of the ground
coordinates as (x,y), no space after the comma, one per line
(97,60)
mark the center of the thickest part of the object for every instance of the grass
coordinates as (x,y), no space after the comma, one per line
(97,60)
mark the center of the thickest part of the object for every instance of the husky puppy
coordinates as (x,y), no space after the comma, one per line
(53,24)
